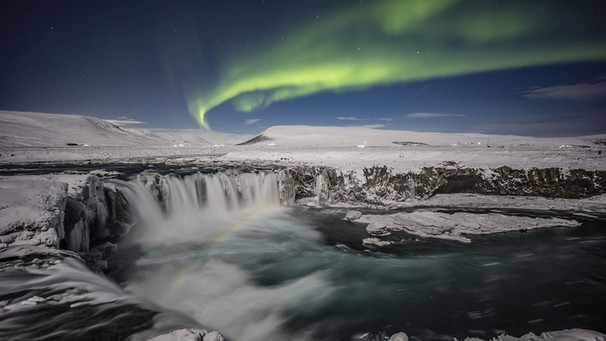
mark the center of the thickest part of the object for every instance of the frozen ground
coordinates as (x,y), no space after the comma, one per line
(31,137)
(454,226)
(485,218)
(350,148)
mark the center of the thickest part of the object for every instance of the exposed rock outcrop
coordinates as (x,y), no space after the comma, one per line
(379,185)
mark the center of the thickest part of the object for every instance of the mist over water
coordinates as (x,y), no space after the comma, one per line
(243,265)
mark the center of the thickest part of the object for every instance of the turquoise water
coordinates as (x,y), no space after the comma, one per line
(293,273)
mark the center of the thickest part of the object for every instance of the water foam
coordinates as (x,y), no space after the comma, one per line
(198,207)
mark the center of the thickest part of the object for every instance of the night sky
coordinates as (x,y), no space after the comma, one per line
(508,67)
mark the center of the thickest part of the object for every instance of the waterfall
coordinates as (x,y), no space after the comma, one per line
(198,206)
(197,191)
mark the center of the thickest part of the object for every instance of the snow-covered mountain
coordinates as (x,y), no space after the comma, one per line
(29,137)
(27,129)
(325,136)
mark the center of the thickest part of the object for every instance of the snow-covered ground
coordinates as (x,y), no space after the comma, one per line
(454,226)
(32,137)
(425,221)
(351,148)
(32,209)
(36,137)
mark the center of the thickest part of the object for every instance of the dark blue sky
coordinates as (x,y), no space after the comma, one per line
(511,67)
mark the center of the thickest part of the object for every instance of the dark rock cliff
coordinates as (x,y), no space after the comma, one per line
(379,185)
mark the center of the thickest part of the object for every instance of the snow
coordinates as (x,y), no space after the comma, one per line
(588,206)
(34,137)
(27,129)
(325,136)
(427,223)
(398,337)
(31,211)
(575,334)
(20,129)
(189,335)
(403,151)
(353,215)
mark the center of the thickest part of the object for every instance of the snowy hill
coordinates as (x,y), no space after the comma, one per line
(26,129)
(182,138)
(353,148)
(194,137)
(310,136)
(35,137)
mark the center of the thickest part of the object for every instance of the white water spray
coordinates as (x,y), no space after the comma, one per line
(198,207)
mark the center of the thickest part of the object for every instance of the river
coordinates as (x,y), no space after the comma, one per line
(255,270)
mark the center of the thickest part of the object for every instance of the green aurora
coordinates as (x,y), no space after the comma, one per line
(382,42)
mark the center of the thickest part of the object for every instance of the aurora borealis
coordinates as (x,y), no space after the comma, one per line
(391,41)
(310,62)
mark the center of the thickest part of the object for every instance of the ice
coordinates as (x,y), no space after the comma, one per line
(562,335)
(189,335)
(377,229)
(454,226)
(318,146)
(34,137)
(31,210)
(353,215)
(375,242)
(399,337)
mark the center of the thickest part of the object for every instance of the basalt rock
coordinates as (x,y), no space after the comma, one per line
(380,185)
(548,182)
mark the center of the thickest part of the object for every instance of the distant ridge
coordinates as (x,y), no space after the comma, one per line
(254,140)
(327,136)
(28,129)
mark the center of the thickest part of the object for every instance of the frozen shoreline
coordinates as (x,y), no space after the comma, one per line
(452,226)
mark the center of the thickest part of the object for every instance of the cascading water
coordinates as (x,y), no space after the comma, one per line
(198,207)
(220,249)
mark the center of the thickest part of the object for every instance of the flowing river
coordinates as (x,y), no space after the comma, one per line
(228,256)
